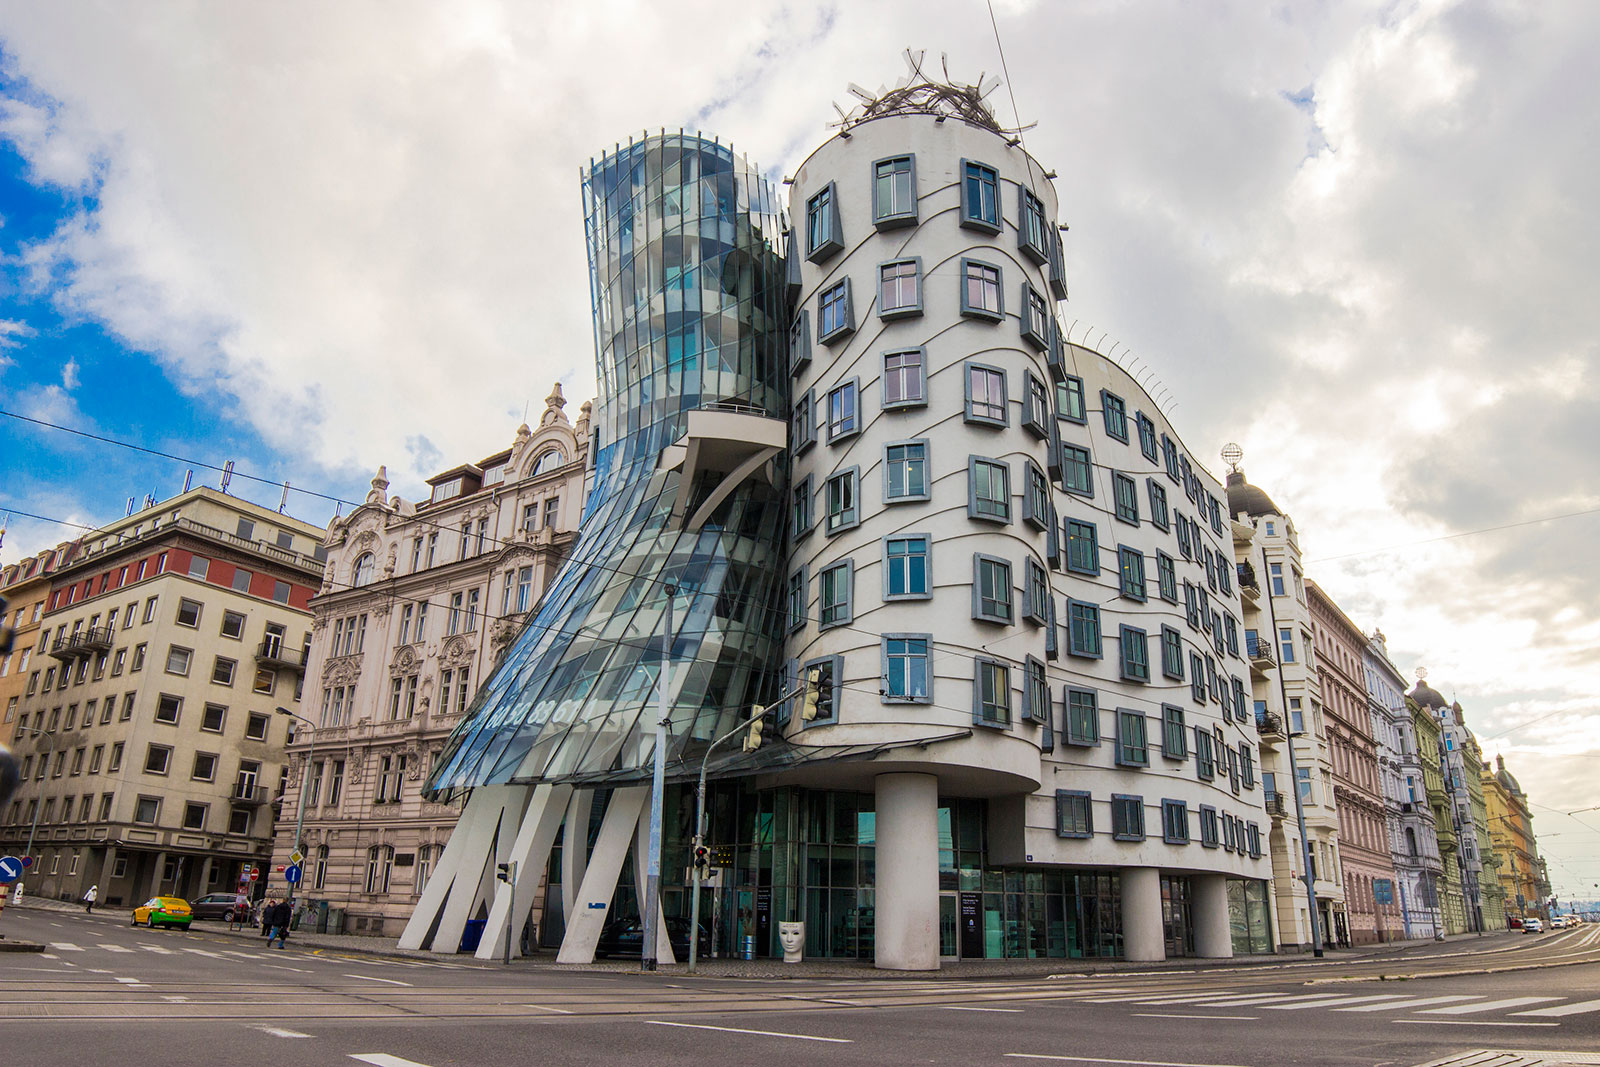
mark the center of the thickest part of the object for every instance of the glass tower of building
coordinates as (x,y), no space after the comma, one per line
(687,283)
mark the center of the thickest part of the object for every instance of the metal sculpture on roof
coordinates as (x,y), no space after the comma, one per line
(918,94)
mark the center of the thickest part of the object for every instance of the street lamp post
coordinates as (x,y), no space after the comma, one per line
(652,884)
(305,777)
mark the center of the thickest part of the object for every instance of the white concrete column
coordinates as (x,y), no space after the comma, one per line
(600,880)
(907,906)
(1208,911)
(456,886)
(531,853)
(575,849)
(1144,935)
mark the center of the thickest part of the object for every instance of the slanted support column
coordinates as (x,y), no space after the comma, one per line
(906,937)
(1208,910)
(575,849)
(1144,935)
(531,853)
(454,889)
(600,879)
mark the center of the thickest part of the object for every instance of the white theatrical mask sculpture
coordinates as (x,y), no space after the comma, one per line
(792,936)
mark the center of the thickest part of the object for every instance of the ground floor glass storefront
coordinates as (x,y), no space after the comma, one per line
(810,855)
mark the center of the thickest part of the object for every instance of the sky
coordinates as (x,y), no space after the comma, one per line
(1356,239)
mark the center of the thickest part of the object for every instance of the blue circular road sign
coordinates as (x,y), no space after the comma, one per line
(291,874)
(10,870)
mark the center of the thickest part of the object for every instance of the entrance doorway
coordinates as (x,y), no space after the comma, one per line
(1176,917)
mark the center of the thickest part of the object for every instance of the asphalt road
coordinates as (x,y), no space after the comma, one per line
(104,993)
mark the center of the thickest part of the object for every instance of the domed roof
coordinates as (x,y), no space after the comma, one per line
(1428,697)
(1507,779)
(1242,496)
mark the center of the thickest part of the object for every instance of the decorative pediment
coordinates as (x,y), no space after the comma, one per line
(406,661)
(342,670)
(456,650)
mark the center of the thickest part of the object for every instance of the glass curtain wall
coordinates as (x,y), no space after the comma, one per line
(685,243)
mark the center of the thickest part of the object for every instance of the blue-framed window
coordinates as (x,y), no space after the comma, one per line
(824,235)
(905,378)
(907,670)
(842,495)
(796,601)
(1036,497)
(1035,322)
(989,490)
(1035,692)
(1076,474)
(906,567)
(1174,822)
(835,594)
(991,692)
(1127,817)
(986,395)
(1171,653)
(900,288)
(1166,577)
(836,315)
(1286,644)
(1208,826)
(981,293)
(1135,646)
(980,196)
(1116,415)
(1197,677)
(894,192)
(1147,437)
(1205,756)
(1083,629)
(1070,404)
(992,591)
(1130,566)
(800,509)
(1033,229)
(1074,813)
(1126,498)
(1174,732)
(1036,592)
(1158,504)
(844,410)
(1083,547)
(1133,744)
(803,423)
(1083,716)
(905,471)
(1035,406)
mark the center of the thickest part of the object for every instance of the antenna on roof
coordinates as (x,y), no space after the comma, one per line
(227,475)
(1231,455)
(188,479)
(130,507)
(283,502)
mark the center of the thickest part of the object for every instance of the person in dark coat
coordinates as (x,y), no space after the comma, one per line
(278,917)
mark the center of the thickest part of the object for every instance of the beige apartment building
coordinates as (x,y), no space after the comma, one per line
(419,603)
(25,585)
(147,728)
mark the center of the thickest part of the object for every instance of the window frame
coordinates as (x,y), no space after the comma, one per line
(1083,801)
(1174,732)
(889,697)
(1003,671)
(1125,498)
(1080,459)
(1170,811)
(921,400)
(973,311)
(1132,743)
(973,510)
(891,497)
(1127,809)
(973,170)
(1033,321)
(1112,404)
(927,568)
(1077,713)
(888,220)
(900,311)
(1093,539)
(979,560)
(848,567)
(850,476)
(969,411)
(824,240)
(842,428)
(1131,582)
(1130,638)
(1088,611)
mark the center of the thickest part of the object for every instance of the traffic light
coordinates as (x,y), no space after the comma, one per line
(702,856)
(507,872)
(752,740)
(817,700)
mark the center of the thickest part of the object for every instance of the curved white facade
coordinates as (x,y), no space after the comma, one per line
(949,454)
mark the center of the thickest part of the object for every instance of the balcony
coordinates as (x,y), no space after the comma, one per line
(272,653)
(1274,803)
(83,643)
(1249,589)
(250,795)
(1259,653)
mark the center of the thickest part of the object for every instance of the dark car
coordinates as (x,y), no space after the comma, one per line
(623,937)
(214,906)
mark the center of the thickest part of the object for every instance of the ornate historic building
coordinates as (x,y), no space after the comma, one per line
(419,602)
(1511,832)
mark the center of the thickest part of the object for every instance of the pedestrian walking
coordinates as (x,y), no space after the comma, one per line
(89,898)
(278,915)
(262,910)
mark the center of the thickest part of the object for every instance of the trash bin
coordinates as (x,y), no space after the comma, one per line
(747,947)
(471,934)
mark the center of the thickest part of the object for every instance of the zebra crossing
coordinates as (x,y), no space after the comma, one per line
(70,948)
(1527,1009)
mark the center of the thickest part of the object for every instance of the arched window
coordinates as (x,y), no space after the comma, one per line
(361,570)
(548,461)
(380,864)
(319,869)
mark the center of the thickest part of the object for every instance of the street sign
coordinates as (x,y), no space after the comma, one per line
(297,857)
(291,874)
(27,861)
(10,870)
(254,874)
(1382,891)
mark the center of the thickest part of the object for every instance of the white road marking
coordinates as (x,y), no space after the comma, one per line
(1582,1007)
(1490,1005)
(383,1059)
(48,956)
(963,1007)
(1463,1022)
(1096,1059)
(116,948)
(129,981)
(157,949)
(243,955)
(1407,1005)
(541,1007)
(281,967)
(278,1031)
(203,952)
(1341,1002)
(175,998)
(1154,1015)
(758,1033)
(385,981)
(97,970)
(65,946)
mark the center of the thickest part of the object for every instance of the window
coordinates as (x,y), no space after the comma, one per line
(1276,572)
(1133,748)
(127,708)
(265,680)
(1147,437)
(256,728)
(905,471)
(1174,734)
(906,668)
(1074,816)
(1174,822)
(232,624)
(986,395)
(1083,547)
(361,570)
(1205,757)
(1231,629)
(797,600)
(991,589)
(147,810)
(980,291)
(1171,653)
(980,196)
(800,509)
(222,671)
(841,494)
(115,763)
(1035,323)
(1130,562)
(1075,470)
(824,236)
(380,864)
(1247,765)
(188,613)
(900,288)
(1116,415)
(1209,837)
(1083,629)
(906,567)
(989,495)
(1197,677)
(1127,817)
(800,341)
(991,692)
(1033,231)
(835,594)
(894,192)
(803,424)
(96,758)
(836,315)
(149,610)
(1158,505)
(1069,400)
(199,566)
(1135,645)
(1127,498)
(904,378)
(1035,400)
(1166,577)
(212,718)
(178,660)
(1036,600)
(205,767)
(391,779)
(156,758)
(1238,697)
(167,708)
(844,410)
(1286,642)
(335,782)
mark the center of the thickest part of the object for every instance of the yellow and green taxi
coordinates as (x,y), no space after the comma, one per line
(163,911)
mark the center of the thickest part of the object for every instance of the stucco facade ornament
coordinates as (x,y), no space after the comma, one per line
(380,483)
(405,661)
(342,670)
(553,405)
(456,650)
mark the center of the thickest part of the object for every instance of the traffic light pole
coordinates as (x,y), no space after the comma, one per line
(652,884)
